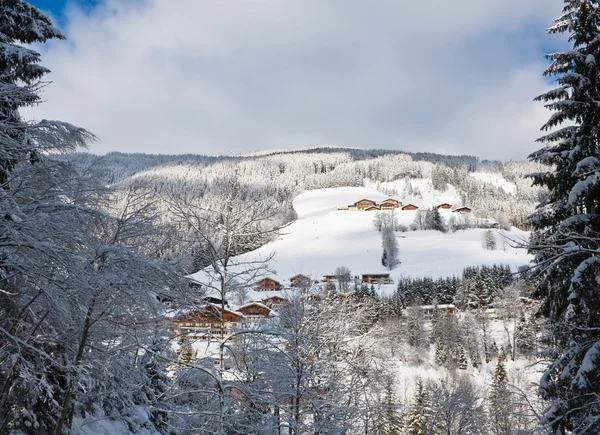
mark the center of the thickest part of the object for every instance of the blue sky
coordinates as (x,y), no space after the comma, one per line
(215,77)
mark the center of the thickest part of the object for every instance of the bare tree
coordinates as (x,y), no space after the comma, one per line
(343,277)
(226,226)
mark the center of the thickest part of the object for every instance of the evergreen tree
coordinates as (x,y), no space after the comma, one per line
(389,257)
(392,426)
(489,241)
(186,352)
(416,420)
(566,224)
(156,383)
(499,402)
(525,335)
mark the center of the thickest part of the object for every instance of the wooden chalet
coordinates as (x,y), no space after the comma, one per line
(267,284)
(254,310)
(300,281)
(329,278)
(389,204)
(410,207)
(372,208)
(274,300)
(376,278)
(364,204)
(462,210)
(206,322)
(429,310)
(444,206)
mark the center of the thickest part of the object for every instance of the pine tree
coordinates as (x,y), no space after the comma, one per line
(392,426)
(156,382)
(186,352)
(489,241)
(416,420)
(499,402)
(566,224)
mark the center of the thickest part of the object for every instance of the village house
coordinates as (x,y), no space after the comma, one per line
(389,204)
(329,278)
(274,300)
(206,322)
(376,278)
(364,204)
(254,311)
(444,206)
(462,210)
(268,284)
(430,310)
(409,207)
(372,208)
(300,280)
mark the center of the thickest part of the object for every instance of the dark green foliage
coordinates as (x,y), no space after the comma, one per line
(566,225)
(481,282)
(500,402)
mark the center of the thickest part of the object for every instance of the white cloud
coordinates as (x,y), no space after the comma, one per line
(165,76)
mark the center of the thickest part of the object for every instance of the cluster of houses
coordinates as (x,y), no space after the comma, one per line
(205,322)
(303,281)
(390,204)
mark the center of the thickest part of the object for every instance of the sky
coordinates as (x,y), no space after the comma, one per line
(229,77)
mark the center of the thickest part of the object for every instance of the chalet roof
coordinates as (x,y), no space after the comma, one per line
(204,309)
(268,279)
(365,199)
(299,275)
(390,200)
(443,203)
(373,207)
(408,205)
(464,207)
(274,297)
(227,310)
(381,275)
(439,306)
(259,304)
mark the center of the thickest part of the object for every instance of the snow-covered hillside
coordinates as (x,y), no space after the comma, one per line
(325,237)
(495,179)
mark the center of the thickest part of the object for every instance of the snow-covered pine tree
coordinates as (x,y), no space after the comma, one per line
(20,73)
(489,241)
(566,224)
(499,402)
(416,420)
(389,257)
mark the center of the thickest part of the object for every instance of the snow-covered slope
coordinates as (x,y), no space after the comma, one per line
(495,179)
(323,238)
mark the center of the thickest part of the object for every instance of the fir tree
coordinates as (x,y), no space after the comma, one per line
(566,224)
(156,383)
(186,352)
(416,420)
(499,402)
(392,426)
(489,241)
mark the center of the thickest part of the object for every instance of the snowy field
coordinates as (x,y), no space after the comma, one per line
(323,238)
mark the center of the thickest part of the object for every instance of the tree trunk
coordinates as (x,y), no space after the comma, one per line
(66,415)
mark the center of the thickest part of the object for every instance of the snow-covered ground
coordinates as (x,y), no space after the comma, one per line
(323,238)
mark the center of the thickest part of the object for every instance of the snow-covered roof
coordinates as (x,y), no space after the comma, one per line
(439,307)
(260,304)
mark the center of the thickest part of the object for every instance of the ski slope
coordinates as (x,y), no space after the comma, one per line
(323,238)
